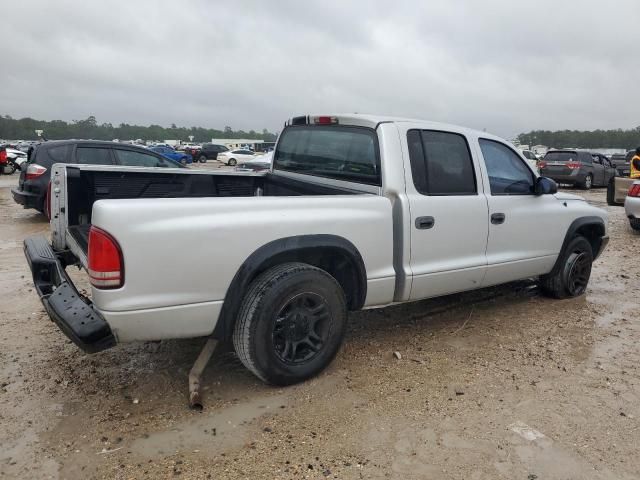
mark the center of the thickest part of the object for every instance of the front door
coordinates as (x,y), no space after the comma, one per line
(524,238)
(448,214)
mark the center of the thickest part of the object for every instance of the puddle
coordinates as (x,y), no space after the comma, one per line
(214,432)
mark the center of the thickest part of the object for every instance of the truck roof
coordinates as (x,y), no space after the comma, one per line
(372,121)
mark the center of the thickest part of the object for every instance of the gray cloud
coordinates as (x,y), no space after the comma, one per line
(497,64)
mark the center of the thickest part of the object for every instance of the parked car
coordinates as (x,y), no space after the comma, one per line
(632,205)
(621,162)
(258,164)
(358,212)
(18,157)
(234,157)
(34,180)
(210,151)
(531,158)
(172,154)
(579,168)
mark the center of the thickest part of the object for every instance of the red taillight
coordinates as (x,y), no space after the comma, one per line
(573,165)
(634,190)
(105,265)
(325,120)
(3,156)
(542,164)
(34,171)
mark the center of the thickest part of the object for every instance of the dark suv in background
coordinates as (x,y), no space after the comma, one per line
(622,162)
(34,179)
(579,168)
(210,151)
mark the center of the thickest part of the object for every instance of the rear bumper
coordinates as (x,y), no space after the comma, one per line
(632,207)
(72,312)
(572,178)
(26,199)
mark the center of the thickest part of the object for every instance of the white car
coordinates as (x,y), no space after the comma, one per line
(233,157)
(632,205)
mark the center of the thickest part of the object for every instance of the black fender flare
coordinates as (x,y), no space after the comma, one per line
(285,248)
(590,221)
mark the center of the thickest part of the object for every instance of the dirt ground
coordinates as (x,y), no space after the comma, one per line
(499,383)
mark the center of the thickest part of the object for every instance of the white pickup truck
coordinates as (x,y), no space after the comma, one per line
(356,212)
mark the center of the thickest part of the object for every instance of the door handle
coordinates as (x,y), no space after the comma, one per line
(497,218)
(424,223)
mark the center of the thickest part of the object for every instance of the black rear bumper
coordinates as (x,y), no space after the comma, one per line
(27,199)
(72,312)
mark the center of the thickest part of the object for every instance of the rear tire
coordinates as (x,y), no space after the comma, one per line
(203,159)
(291,323)
(611,193)
(635,223)
(588,182)
(574,271)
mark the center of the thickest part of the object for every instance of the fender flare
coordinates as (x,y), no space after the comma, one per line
(267,256)
(577,224)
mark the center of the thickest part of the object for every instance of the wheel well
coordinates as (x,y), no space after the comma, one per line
(333,260)
(593,232)
(335,255)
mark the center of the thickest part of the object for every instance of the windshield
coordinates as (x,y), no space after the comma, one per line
(561,157)
(342,153)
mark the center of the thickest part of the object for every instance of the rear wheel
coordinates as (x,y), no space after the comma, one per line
(611,192)
(232,162)
(574,271)
(635,223)
(588,182)
(203,159)
(291,323)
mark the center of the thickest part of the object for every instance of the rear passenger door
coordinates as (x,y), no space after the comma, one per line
(448,214)
(598,171)
(525,232)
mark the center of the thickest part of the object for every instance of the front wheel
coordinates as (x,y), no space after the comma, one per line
(588,182)
(232,162)
(203,159)
(291,323)
(635,223)
(573,272)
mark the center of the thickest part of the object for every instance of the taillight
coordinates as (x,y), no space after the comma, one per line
(542,164)
(325,120)
(3,156)
(34,171)
(105,264)
(573,165)
(634,191)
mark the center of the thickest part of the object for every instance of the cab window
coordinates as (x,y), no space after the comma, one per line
(508,173)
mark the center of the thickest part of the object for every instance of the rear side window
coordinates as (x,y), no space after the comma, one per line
(140,159)
(48,156)
(585,158)
(338,152)
(441,163)
(93,156)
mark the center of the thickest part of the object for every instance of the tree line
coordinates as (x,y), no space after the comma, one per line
(24,129)
(627,139)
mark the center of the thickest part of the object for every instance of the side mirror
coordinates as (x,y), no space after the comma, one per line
(545,186)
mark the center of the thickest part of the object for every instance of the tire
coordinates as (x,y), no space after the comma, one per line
(611,193)
(291,323)
(232,162)
(635,223)
(572,277)
(588,182)
(202,159)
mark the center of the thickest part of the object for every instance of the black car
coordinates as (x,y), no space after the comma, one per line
(622,162)
(34,179)
(579,168)
(210,151)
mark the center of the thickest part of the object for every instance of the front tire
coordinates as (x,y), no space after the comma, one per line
(574,271)
(635,223)
(291,323)
(232,162)
(588,182)
(203,159)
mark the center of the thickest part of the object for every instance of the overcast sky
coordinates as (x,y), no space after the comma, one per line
(494,64)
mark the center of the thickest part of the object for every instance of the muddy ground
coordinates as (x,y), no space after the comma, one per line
(500,383)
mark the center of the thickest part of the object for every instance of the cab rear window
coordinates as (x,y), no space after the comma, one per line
(338,152)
